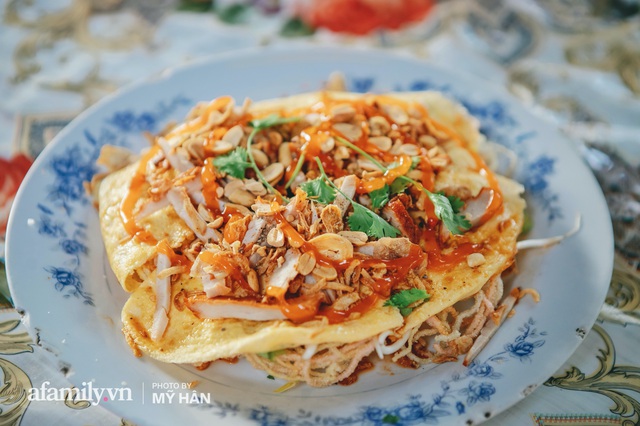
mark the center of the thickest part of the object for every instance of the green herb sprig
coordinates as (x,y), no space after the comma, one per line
(296,170)
(323,190)
(234,163)
(365,220)
(447,209)
(319,190)
(380,196)
(240,159)
(404,298)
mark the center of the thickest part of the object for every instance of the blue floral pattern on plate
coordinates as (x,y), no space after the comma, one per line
(71,170)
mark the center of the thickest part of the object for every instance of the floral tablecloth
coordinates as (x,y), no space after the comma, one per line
(574,62)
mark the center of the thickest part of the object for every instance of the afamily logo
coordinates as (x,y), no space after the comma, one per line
(86,393)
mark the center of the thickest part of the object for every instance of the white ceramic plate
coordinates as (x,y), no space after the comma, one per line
(61,280)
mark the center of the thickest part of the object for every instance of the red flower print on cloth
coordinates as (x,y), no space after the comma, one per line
(362,16)
(11,174)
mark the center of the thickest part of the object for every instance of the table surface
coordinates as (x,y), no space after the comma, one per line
(59,57)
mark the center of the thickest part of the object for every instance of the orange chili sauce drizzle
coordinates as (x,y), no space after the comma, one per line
(211,138)
(135,192)
(210,185)
(362,306)
(175,258)
(439,261)
(314,137)
(496,206)
(209,191)
(303,309)
(428,178)
(306,308)
(296,240)
(403,167)
(400,267)
(300,309)
(222,261)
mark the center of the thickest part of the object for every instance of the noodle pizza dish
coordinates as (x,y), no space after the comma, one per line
(310,233)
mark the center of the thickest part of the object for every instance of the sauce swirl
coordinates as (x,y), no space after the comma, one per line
(135,192)
(440,261)
(224,262)
(362,306)
(175,258)
(403,166)
(400,267)
(210,193)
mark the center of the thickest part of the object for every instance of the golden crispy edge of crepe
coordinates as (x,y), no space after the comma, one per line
(126,255)
(189,339)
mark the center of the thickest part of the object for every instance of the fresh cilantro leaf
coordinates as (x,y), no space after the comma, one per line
(380,227)
(272,120)
(404,298)
(234,163)
(456,203)
(319,190)
(399,185)
(455,222)
(360,220)
(405,311)
(270,377)
(379,197)
(363,219)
